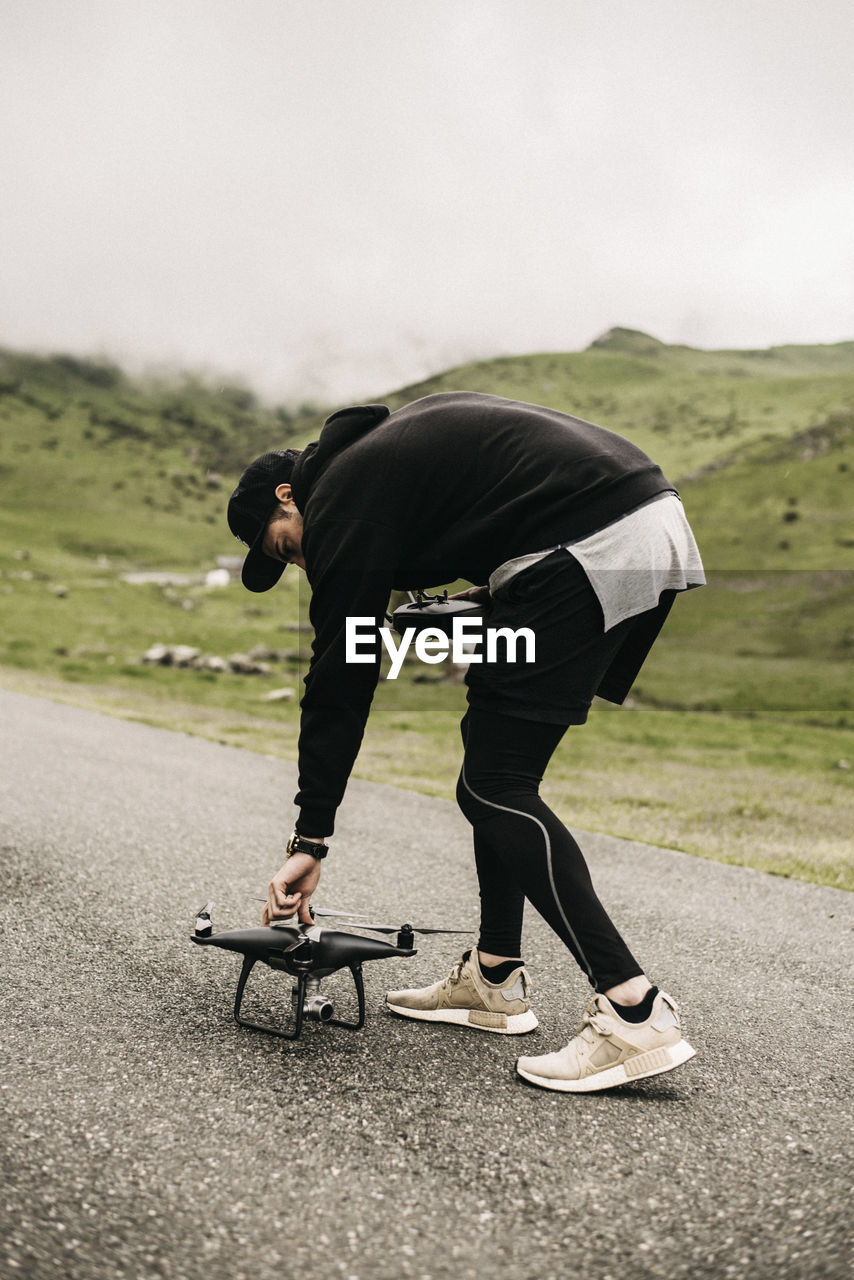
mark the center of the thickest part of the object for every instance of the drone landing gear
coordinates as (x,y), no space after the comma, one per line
(306,1001)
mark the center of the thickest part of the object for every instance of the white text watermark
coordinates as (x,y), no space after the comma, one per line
(432,644)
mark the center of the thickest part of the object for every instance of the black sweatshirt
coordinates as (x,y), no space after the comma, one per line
(447,487)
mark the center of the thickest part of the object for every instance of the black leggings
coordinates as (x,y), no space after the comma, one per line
(523,850)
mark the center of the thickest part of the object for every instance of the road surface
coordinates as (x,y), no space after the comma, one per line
(146,1135)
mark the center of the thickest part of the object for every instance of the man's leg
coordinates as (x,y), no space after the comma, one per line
(630,1030)
(502,901)
(522,846)
(488,988)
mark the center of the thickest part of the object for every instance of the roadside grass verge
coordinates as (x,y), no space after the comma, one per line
(754,792)
(734,744)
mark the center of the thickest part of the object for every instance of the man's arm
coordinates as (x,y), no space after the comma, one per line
(351,572)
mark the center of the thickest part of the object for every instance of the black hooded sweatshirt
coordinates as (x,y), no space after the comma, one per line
(447,487)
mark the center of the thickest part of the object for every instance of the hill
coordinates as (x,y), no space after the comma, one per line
(691,410)
(759,442)
(103,476)
(130,469)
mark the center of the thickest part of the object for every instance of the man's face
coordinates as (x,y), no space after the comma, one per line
(283,539)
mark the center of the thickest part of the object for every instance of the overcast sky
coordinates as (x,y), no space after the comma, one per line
(335,197)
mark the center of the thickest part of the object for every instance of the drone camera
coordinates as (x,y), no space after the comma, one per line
(319,1008)
(315,1006)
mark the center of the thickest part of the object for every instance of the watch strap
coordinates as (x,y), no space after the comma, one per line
(299,844)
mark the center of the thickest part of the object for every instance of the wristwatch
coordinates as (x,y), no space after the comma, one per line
(299,844)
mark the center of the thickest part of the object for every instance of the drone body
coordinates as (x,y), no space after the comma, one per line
(308,953)
(435,612)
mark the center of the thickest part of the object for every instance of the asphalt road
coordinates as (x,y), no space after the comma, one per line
(146,1135)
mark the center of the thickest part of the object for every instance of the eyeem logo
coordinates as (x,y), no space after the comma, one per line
(433,645)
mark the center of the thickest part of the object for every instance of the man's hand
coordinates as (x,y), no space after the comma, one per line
(477,595)
(291,888)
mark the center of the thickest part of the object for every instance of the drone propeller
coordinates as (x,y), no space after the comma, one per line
(405,932)
(403,928)
(328,911)
(321,911)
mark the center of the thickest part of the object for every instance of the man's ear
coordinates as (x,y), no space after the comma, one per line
(284,493)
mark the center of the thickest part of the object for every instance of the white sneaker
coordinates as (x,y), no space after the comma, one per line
(607,1051)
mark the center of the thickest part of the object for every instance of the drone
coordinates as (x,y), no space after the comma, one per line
(308,953)
(436,612)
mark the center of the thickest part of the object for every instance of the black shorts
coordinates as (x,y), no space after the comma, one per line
(575,658)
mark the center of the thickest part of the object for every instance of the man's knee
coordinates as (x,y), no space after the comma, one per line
(470,806)
(482,794)
(497,775)
(479,795)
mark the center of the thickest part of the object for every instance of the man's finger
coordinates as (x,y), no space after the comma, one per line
(280,894)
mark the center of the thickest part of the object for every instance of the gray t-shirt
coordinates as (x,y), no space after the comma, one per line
(630,561)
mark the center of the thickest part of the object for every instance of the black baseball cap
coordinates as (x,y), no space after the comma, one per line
(249,510)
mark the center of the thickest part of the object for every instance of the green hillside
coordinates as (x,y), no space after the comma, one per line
(691,410)
(121,468)
(102,476)
(759,442)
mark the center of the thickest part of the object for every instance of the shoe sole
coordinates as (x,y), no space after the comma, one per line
(652,1063)
(518,1024)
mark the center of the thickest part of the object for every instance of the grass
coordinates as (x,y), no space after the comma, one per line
(751,792)
(735,741)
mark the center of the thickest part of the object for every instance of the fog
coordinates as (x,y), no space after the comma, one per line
(331,199)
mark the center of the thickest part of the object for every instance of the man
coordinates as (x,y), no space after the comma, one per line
(564,528)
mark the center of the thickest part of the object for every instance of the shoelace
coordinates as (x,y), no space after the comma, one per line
(592,1021)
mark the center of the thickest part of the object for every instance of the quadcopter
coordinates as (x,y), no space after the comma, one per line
(436,612)
(308,953)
